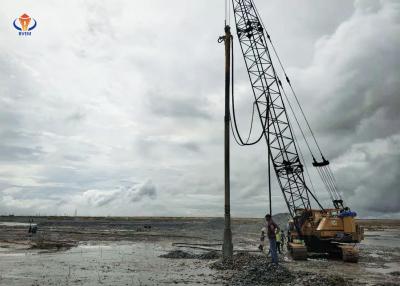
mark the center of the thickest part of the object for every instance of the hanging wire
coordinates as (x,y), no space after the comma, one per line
(287,78)
(295,117)
(326,186)
(328,182)
(229,12)
(333,180)
(324,172)
(225,11)
(326,175)
(234,126)
(298,146)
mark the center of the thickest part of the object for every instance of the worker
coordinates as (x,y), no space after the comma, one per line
(271,227)
(261,247)
(278,238)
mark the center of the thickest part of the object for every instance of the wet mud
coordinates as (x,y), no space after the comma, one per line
(176,251)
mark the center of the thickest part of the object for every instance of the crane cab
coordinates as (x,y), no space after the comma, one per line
(331,231)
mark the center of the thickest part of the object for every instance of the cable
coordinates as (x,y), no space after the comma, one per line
(327,176)
(229,12)
(295,117)
(239,139)
(332,177)
(296,141)
(287,78)
(226,9)
(302,157)
(328,182)
(326,186)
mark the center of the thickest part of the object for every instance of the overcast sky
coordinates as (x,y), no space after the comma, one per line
(116,107)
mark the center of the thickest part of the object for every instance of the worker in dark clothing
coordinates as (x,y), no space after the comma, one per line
(271,227)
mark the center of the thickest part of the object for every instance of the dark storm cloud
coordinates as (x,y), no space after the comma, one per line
(356,73)
(148,189)
(357,103)
(369,175)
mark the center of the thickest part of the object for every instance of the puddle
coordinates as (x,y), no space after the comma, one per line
(125,263)
(11,223)
(386,268)
(387,238)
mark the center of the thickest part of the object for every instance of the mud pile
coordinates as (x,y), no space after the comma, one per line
(238,261)
(312,279)
(248,269)
(253,270)
(179,254)
(261,272)
(209,255)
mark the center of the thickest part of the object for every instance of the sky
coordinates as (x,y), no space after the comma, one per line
(115,108)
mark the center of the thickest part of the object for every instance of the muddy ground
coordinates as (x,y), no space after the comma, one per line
(129,251)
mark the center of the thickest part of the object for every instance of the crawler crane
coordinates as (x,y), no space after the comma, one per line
(313,227)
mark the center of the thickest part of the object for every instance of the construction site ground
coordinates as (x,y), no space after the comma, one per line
(177,251)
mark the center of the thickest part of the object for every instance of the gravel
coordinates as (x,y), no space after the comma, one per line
(179,254)
(238,261)
(260,272)
(253,270)
(249,269)
(312,279)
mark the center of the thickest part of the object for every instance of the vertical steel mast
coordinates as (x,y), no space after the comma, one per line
(227,247)
(271,109)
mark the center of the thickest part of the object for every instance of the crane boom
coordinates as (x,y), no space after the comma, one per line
(332,231)
(271,109)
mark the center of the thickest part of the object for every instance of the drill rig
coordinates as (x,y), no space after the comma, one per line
(312,228)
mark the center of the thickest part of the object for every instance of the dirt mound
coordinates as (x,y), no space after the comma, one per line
(253,270)
(238,261)
(209,255)
(261,272)
(312,279)
(250,269)
(179,254)
(51,245)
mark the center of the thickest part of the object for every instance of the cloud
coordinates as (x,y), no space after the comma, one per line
(145,190)
(99,198)
(376,166)
(176,106)
(352,95)
(15,153)
(118,113)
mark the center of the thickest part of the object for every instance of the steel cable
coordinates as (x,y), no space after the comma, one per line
(234,127)
(328,174)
